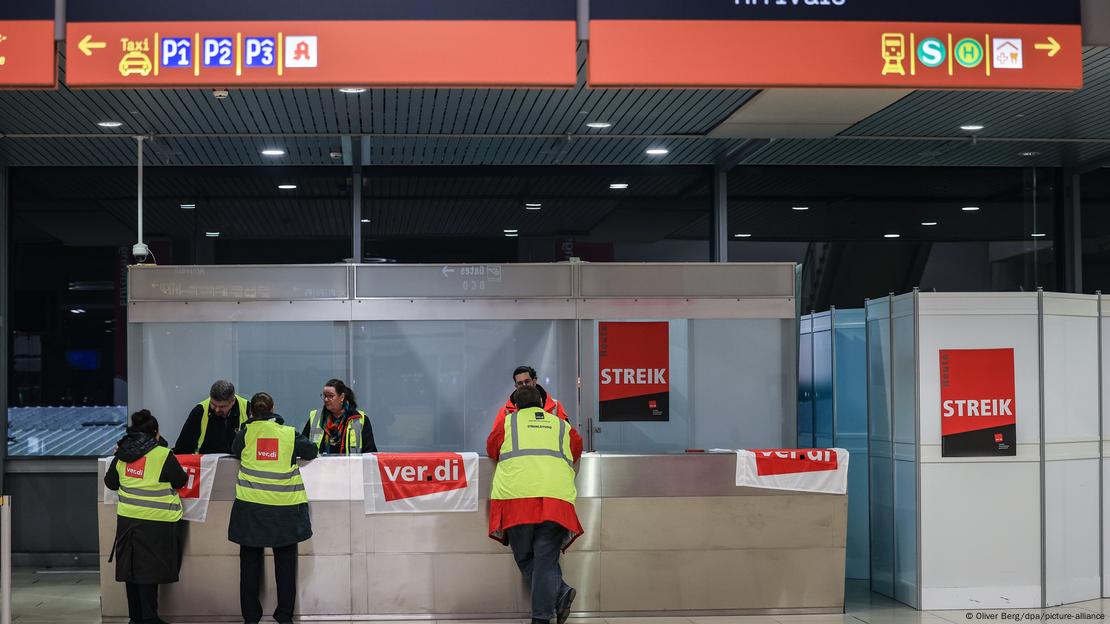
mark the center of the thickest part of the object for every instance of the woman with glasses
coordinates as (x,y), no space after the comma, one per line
(340,427)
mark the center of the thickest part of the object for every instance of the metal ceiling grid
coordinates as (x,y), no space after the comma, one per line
(1008,114)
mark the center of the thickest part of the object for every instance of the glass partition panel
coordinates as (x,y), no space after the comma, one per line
(438,385)
(731,385)
(291,362)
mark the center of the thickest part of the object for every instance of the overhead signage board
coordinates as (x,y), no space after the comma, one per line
(27,58)
(941,44)
(322,43)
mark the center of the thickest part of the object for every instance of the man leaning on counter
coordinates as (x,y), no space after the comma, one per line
(211,426)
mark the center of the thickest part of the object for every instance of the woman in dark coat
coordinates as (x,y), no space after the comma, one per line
(147,549)
(256,526)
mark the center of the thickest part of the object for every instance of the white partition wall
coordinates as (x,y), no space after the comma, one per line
(1071,448)
(1001,531)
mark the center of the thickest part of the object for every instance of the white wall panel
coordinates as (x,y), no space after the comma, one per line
(1071,531)
(980,536)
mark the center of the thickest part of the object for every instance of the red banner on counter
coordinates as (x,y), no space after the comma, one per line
(634,371)
(420,482)
(802,470)
(978,408)
(201,473)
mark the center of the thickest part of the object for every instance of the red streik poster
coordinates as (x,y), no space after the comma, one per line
(978,410)
(635,375)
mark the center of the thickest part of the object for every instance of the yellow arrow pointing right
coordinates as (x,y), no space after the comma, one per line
(1053,46)
(87,45)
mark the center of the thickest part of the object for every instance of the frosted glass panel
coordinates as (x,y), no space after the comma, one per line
(805,391)
(822,389)
(437,385)
(850,400)
(905,522)
(291,361)
(733,374)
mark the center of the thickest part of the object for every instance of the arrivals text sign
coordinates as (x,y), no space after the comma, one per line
(978,408)
(958,44)
(341,43)
(27,44)
(634,371)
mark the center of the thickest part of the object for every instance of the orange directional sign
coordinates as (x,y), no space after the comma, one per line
(27,58)
(136,43)
(953,44)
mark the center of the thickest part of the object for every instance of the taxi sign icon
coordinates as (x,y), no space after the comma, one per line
(135,63)
(969,53)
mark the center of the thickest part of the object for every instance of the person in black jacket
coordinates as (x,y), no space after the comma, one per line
(212,423)
(256,525)
(147,551)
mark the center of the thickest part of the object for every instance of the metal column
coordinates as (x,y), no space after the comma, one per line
(1069,234)
(718,236)
(5,327)
(356,199)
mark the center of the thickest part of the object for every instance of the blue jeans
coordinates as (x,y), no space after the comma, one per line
(536,550)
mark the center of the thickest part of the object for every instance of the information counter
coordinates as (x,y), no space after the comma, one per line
(664,534)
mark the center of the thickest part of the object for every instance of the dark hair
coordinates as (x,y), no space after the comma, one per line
(143,421)
(524,369)
(262,405)
(341,388)
(222,390)
(526,396)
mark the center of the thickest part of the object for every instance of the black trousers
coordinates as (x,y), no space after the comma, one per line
(250,582)
(142,603)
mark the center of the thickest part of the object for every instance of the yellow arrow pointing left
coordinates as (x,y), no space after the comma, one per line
(87,45)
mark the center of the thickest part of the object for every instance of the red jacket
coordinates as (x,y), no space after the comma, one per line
(504,514)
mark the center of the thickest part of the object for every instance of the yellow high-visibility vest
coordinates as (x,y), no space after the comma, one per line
(354,431)
(204,417)
(267,474)
(535,459)
(141,494)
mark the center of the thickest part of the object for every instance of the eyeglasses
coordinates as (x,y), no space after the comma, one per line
(328,397)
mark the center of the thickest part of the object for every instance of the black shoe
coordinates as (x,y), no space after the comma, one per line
(538,621)
(562,607)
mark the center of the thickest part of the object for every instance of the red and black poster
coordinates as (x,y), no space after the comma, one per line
(978,410)
(635,375)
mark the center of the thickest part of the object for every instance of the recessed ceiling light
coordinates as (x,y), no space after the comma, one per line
(742,235)
(188,206)
(892,235)
(598,124)
(800,208)
(110,124)
(928,223)
(352,90)
(1029,154)
(212,234)
(970,209)
(511,231)
(972,127)
(366,220)
(1038,235)
(657,151)
(511,235)
(287,187)
(533,206)
(273,152)
(77,310)
(618,186)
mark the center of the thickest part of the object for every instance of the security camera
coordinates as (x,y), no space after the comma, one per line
(336,154)
(140,251)
(220,94)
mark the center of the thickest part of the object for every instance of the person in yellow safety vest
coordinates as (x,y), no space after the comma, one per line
(340,428)
(533,496)
(211,426)
(271,506)
(149,535)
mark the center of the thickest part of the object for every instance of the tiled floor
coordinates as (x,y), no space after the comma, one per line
(39,597)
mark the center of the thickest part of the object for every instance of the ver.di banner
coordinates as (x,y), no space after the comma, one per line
(978,410)
(800,470)
(201,470)
(634,371)
(420,482)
